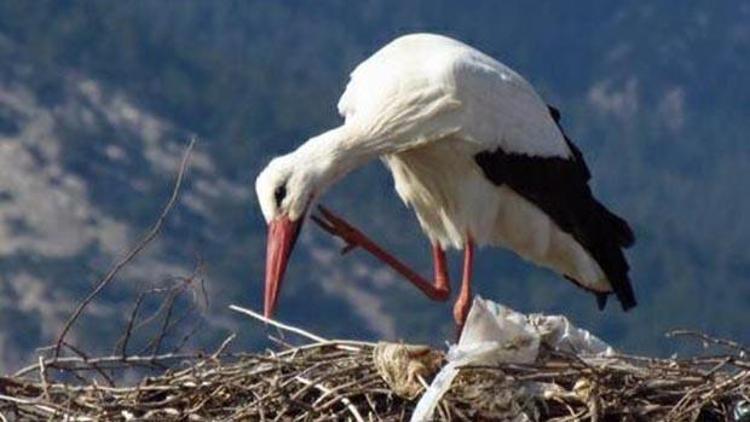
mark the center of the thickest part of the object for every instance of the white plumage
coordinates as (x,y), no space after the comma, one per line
(422,86)
(427,105)
(447,102)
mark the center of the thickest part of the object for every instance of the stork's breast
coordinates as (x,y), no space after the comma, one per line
(443,185)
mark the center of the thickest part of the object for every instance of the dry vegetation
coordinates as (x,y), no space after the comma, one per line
(337,380)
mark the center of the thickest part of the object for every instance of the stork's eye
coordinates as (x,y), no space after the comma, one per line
(279,194)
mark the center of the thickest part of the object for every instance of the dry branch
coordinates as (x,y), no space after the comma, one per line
(132,253)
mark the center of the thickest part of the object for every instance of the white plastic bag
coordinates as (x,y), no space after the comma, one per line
(495,334)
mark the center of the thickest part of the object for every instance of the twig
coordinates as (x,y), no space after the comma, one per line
(49,410)
(224,345)
(155,343)
(327,391)
(85,357)
(122,344)
(43,377)
(196,327)
(744,351)
(277,324)
(133,359)
(150,235)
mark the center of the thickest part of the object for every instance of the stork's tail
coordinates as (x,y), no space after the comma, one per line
(610,234)
(619,228)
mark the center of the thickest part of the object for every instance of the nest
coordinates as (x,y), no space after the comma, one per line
(340,380)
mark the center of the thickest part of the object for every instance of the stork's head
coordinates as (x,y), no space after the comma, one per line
(285,189)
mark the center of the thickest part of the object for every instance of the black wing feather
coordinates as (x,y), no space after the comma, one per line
(559,187)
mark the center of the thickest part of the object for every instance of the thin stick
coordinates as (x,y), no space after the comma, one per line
(155,344)
(132,359)
(224,345)
(709,339)
(85,358)
(45,408)
(122,344)
(277,324)
(150,235)
(43,377)
(327,391)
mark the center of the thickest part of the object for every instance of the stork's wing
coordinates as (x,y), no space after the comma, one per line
(559,187)
(422,87)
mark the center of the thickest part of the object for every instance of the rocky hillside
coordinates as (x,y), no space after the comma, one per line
(98,100)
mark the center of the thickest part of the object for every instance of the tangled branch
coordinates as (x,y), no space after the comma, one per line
(132,253)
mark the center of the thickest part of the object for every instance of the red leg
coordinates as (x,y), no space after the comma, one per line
(463,303)
(439,289)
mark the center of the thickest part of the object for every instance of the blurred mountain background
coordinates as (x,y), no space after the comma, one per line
(98,100)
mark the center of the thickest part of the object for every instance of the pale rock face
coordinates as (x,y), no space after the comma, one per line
(49,213)
(47,210)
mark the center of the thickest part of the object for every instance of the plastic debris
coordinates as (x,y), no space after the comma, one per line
(495,334)
(741,411)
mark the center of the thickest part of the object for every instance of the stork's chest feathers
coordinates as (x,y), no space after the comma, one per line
(437,171)
(444,187)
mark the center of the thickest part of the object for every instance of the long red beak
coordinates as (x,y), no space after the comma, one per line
(282,234)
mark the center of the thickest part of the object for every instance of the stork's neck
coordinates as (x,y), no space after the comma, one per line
(334,153)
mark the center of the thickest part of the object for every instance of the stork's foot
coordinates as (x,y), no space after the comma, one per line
(337,227)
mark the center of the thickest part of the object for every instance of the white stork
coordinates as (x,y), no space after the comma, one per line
(477,154)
